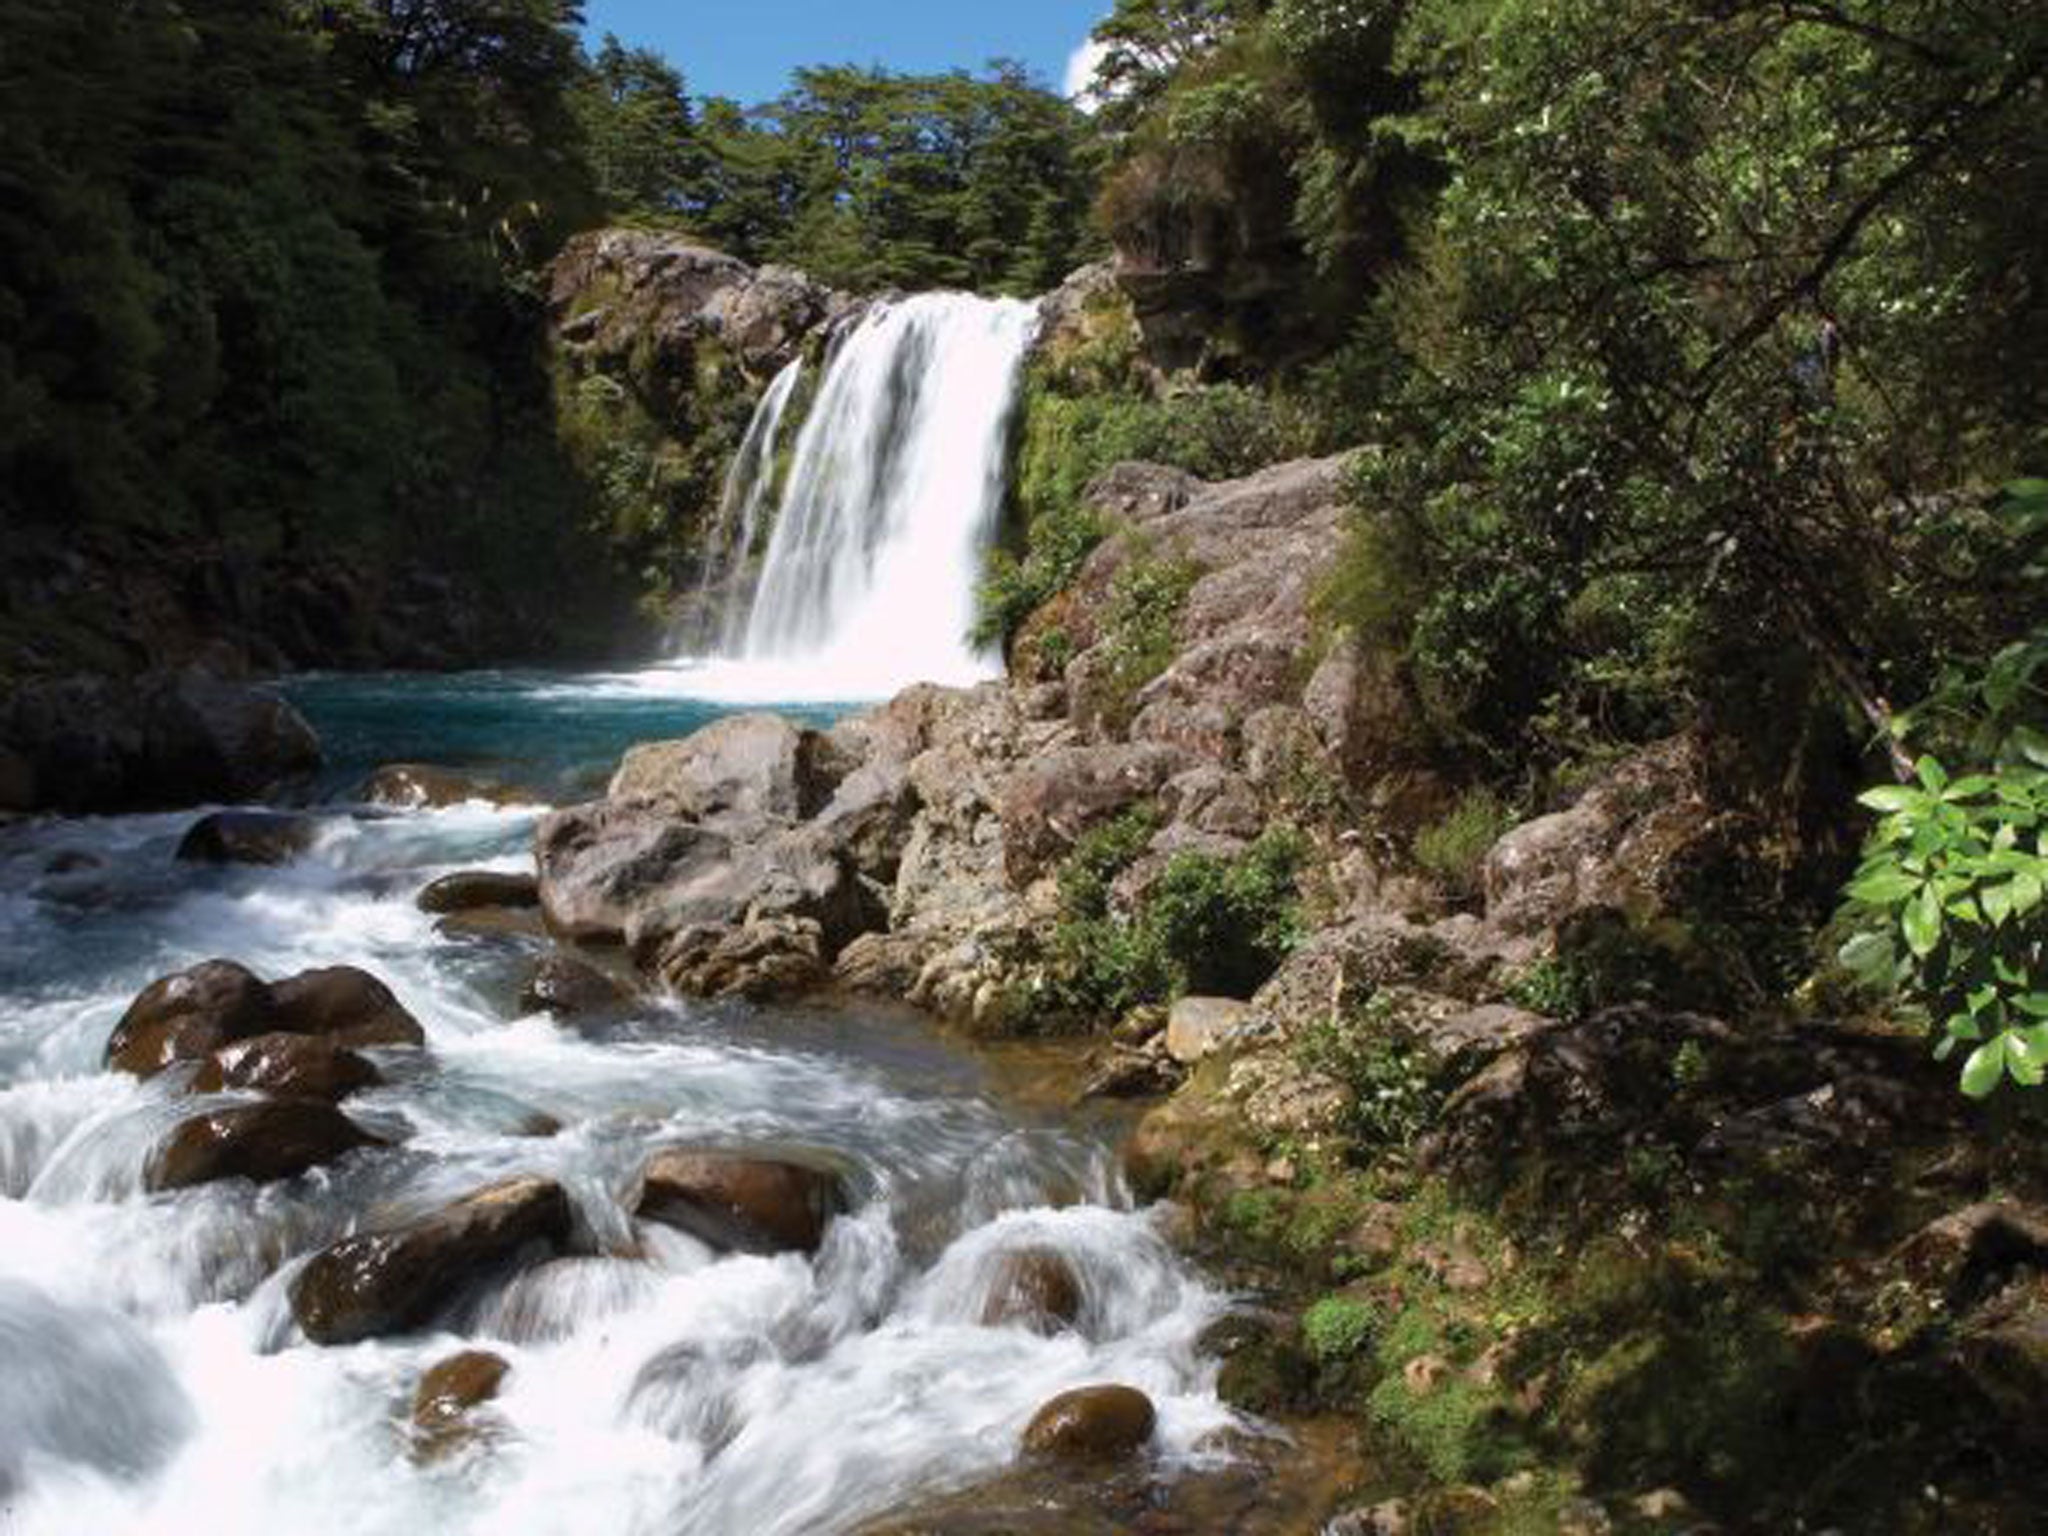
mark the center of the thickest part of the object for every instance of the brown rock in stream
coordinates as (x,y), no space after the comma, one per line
(288,1066)
(259,1142)
(1092,1424)
(739,1203)
(379,1283)
(443,1404)
(247,837)
(470,889)
(350,1006)
(188,1015)
(1035,1288)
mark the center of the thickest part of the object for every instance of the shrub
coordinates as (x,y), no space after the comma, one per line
(1207,924)
(1395,1092)
(1140,627)
(1013,588)
(1336,1328)
(1454,848)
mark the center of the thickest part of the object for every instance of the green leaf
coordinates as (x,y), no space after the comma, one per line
(2031,745)
(1921,923)
(1997,902)
(2026,893)
(1884,888)
(1932,774)
(1868,957)
(1890,798)
(1985,1068)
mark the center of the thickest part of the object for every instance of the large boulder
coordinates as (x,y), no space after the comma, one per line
(192,1014)
(629,872)
(153,742)
(259,1142)
(737,770)
(1618,847)
(379,1283)
(189,1015)
(288,1066)
(739,1203)
(348,1006)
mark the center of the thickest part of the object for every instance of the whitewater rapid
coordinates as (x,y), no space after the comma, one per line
(156,1381)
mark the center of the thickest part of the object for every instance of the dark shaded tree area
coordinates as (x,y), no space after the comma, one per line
(261,273)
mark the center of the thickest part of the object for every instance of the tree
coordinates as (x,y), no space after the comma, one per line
(639,131)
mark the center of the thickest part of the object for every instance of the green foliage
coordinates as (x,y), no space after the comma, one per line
(1950,904)
(1205,924)
(1454,847)
(267,270)
(1140,628)
(1337,1327)
(1013,589)
(1667,355)
(868,179)
(1396,1086)
(1556,987)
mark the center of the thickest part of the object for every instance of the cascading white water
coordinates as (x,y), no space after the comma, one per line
(897,485)
(749,482)
(152,1379)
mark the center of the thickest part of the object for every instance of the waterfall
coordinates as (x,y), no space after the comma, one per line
(748,484)
(878,538)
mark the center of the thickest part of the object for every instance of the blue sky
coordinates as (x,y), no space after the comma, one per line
(746,48)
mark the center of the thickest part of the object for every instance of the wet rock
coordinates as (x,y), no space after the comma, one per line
(73,861)
(422,786)
(1092,1424)
(1196,1026)
(288,1066)
(471,889)
(508,926)
(449,1392)
(189,1015)
(567,987)
(350,1006)
(742,1204)
(247,837)
(258,1142)
(380,1283)
(1035,1288)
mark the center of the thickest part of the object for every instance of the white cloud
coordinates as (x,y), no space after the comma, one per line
(1081,73)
